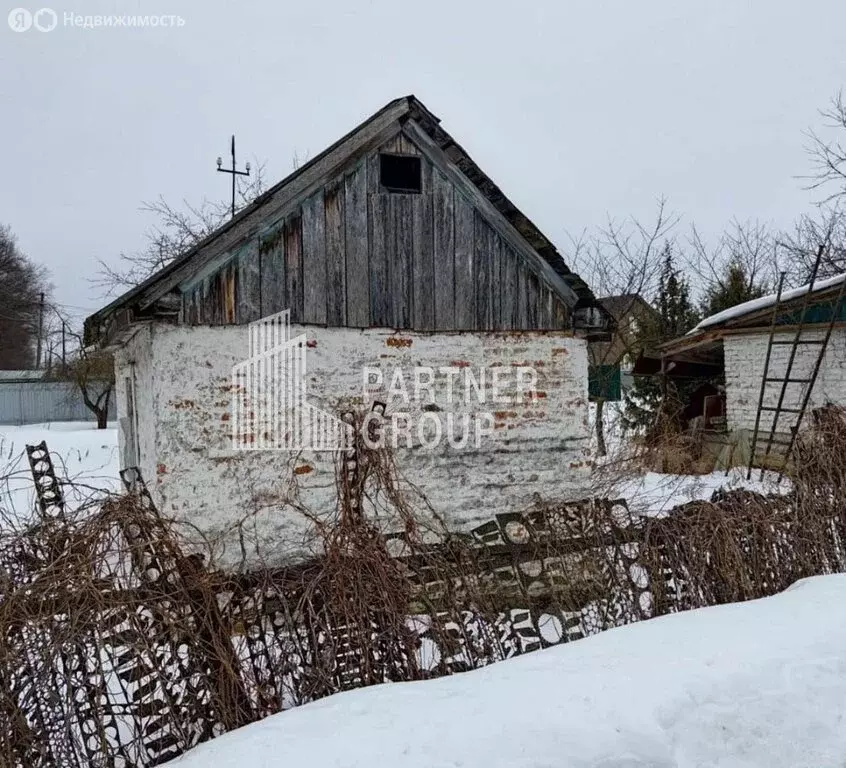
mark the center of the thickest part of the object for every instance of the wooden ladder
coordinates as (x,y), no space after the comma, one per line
(786,379)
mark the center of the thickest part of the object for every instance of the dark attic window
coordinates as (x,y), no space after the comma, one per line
(400,173)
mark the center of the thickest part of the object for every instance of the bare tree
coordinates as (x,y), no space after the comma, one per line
(828,155)
(622,260)
(800,245)
(176,230)
(744,264)
(93,372)
(21,286)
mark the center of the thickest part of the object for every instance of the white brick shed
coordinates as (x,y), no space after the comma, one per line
(734,344)
(391,248)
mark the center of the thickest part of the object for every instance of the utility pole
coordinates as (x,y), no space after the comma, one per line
(40,332)
(233,170)
(64,367)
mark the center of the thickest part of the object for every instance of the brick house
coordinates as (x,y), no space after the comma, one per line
(731,348)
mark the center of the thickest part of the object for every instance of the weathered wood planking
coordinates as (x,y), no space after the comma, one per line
(336,266)
(443,223)
(532,301)
(249,285)
(294,267)
(508,296)
(355,254)
(381,229)
(273,273)
(522,299)
(561,315)
(400,263)
(357,247)
(496,280)
(483,244)
(423,283)
(465,278)
(314,260)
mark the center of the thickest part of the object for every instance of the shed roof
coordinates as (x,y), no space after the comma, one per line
(572,289)
(752,316)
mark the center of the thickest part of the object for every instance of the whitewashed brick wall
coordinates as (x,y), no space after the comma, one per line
(539,448)
(745,357)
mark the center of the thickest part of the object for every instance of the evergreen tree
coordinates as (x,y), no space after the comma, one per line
(676,316)
(734,288)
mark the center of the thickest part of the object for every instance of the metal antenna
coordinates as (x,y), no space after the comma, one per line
(233,171)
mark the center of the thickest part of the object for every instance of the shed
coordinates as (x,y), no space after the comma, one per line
(391,249)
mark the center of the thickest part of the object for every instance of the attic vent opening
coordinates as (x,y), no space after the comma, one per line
(400,173)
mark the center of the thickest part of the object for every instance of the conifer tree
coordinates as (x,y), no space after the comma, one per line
(677,315)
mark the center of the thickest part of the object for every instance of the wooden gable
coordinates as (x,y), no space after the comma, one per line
(340,244)
(354,253)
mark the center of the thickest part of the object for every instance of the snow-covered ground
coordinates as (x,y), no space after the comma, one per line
(654,494)
(750,684)
(81,453)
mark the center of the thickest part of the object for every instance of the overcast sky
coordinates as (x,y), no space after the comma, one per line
(579,110)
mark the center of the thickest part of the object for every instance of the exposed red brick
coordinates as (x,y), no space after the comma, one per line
(398,341)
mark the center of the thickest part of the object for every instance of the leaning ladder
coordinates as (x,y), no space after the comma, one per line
(786,379)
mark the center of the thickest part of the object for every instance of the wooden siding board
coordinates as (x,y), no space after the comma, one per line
(444,251)
(373,185)
(294,267)
(509,268)
(400,261)
(522,298)
(465,287)
(336,266)
(423,294)
(355,218)
(378,263)
(483,264)
(561,314)
(496,280)
(314,260)
(248,286)
(532,301)
(273,278)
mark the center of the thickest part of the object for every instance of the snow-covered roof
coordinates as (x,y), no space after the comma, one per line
(762,303)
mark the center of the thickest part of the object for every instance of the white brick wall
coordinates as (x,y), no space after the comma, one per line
(539,447)
(745,356)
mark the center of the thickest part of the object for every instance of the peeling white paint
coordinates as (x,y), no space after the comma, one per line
(745,356)
(234,499)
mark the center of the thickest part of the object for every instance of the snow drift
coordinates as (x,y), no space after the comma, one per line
(753,684)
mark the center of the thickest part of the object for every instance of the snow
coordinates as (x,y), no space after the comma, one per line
(753,684)
(654,494)
(81,453)
(765,301)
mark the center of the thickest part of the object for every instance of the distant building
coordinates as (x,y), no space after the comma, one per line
(731,347)
(611,362)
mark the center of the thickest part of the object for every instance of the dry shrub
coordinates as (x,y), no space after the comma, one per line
(119,649)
